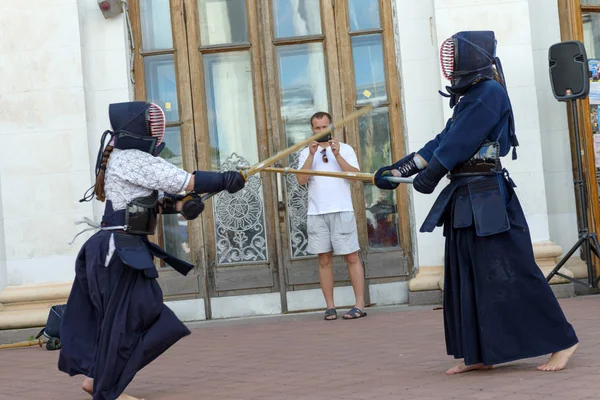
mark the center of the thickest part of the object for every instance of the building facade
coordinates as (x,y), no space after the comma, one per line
(238,81)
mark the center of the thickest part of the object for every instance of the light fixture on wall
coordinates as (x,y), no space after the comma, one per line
(110,8)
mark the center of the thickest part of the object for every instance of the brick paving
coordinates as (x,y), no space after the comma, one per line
(393,353)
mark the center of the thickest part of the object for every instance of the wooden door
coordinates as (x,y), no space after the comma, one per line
(160,73)
(336,56)
(230,131)
(239,81)
(301,66)
(366,48)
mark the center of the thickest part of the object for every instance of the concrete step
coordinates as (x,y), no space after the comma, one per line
(27,306)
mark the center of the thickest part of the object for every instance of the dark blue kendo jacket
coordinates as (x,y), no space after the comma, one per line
(481,115)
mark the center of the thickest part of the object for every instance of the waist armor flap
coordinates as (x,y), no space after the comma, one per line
(131,243)
(141,215)
(477,199)
(486,161)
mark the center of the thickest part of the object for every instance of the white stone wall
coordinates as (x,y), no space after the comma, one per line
(554,129)
(43,158)
(422,106)
(106,78)
(64,63)
(543,169)
(511,22)
(3,272)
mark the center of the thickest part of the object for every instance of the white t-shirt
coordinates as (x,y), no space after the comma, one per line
(326,194)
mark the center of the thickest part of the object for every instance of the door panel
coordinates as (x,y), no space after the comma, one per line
(161,75)
(366,46)
(229,112)
(301,55)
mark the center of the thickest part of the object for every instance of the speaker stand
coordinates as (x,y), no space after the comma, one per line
(588,240)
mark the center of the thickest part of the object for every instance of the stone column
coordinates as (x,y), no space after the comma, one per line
(66,63)
(43,130)
(3,272)
(552,114)
(418,63)
(511,22)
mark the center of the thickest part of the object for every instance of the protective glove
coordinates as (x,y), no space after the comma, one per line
(233,181)
(213,182)
(406,167)
(191,206)
(426,181)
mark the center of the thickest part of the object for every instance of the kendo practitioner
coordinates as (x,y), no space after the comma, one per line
(115,321)
(498,306)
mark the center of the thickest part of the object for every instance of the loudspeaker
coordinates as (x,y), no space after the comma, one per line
(569,71)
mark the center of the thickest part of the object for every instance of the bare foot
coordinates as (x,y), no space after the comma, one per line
(558,360)
(88,386)
(127,397)
(460,368)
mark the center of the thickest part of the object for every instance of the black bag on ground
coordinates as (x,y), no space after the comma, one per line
(52,328)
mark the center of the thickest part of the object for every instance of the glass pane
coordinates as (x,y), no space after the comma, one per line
(297,207)
(590,2)
(161,84)
(303,92)
(297,18)
(591,25)
(239,218)
(364,14)
(175,227)
(375,151)
(155,16)
(369,71)
(303,87)
(222,21)
(172,150)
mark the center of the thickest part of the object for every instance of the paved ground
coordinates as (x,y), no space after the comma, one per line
(394,353)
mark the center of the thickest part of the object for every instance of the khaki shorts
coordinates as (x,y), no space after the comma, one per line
(334,231)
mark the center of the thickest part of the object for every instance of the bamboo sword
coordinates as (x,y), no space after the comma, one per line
(284,153)
(356,176)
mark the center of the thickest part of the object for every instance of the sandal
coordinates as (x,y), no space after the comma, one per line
(352,314)
(329,312)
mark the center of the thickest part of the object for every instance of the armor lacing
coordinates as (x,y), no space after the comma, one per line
(408,168)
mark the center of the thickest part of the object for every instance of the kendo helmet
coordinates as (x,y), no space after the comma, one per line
(467,58)
(137,125)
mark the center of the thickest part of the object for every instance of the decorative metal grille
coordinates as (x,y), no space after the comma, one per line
(297,205)
(240,220)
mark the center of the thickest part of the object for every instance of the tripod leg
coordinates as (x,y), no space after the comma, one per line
(565,258)
(594,245)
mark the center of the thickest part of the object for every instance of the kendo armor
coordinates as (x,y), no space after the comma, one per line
(137,125)
(141,126)
(141,215)
(486,161)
